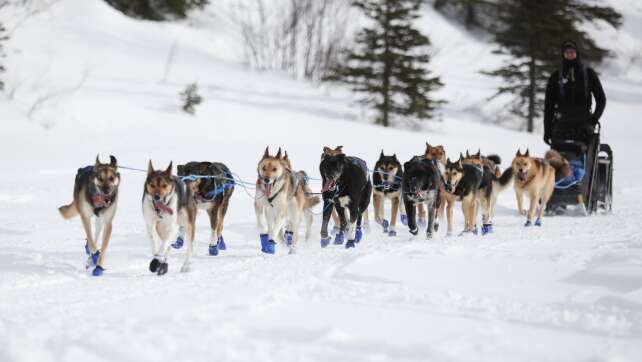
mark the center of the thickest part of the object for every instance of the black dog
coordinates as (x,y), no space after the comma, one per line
(420,185)
(212,192)
(346,184)
(386,182)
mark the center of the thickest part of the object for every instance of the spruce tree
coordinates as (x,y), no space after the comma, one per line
(531,33)
(388,64)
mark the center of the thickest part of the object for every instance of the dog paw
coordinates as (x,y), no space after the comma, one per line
(358,235)
(392,233)
(162,269)
(414,231)
(528,223)
(429,235)
(538,222)
(213,250)
(186,268)
(487,229)
(385,224)
(270,247)
(289,238)
(178,243)
(92,260)
(339,238)
(325,242)
(264,240)
(221,243)
(436,226)
(292,250)
(404,219)
(98,271)
(87,249)
(350,244)
(153,265)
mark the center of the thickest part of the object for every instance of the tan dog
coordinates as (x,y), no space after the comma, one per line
(281,201)
(95,195)
(448,200)
(536,177)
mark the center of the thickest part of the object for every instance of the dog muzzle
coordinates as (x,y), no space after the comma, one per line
(329,185)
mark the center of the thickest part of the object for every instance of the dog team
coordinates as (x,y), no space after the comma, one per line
(423,191)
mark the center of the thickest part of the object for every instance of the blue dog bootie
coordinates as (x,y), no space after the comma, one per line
(350,244)
(264,241)
(392,233)
(98,271)
(178,243)
(325,242)
(92,261)
(87,249)
(289,238)
(476,230)
(221,243)
(270,247)
(404,219)
(386,224)
(358,234)
(213,250)
(487,229)
(538,222)
(339,238)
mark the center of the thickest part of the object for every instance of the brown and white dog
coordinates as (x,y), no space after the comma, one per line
(211,185)
(536,177)
(281,202)
(95,195)
(386,184)
(168,206)
(448,200)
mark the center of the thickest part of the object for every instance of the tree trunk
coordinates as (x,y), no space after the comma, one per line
(532,88)
(385,89)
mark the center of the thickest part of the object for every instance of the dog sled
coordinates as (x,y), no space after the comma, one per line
(589,186)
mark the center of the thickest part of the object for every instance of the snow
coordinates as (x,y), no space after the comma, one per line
(570,291)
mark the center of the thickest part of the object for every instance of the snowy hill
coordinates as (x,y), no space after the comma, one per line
(83,79)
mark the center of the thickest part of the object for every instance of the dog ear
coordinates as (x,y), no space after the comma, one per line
(428,147)
(339,149)
(519,153)
(381,154)
(285,156)
(180,170)
(394,155)
(448,162)
(278,154)
(326,150)
(266,154)
(97,160)
(527,153)
(168,171)
(478,154)
(113,162)
(467,154)
(461,156)
(150,168)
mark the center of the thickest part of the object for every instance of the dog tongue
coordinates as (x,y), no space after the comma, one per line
(98,200)
(327,185)
(268,190)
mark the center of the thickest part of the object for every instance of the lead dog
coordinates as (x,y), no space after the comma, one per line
(281,201)
(168,205)
(346,185)
(95,195)
(212,185)
(386,184)
(420,184)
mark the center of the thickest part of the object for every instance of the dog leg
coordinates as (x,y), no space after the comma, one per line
(411,211)
(336,221)
(519,194)
(327,213)
(393,217)
(86,223)
(98,270)
(421,212)
(402,211)
(98,226)
(340,236)
(190,232)
(214,237)
(352,230)
(378,207)
(534,199)
(261,224)
(451,216)
(431,219)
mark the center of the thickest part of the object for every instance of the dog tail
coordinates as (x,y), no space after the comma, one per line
(559,163)
(311,201)
(502,181)
(68,211)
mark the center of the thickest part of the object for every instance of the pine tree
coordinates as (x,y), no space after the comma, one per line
(388,64)
(531,33)
(3,37)
(470,9)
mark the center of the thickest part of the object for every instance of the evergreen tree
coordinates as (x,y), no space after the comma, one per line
(388,63)
(157,9)
(469,9)
(531,33)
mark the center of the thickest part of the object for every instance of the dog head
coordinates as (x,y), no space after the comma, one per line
(331,169)
(388,166)
(328,151)
(270,169)
(453,174)
(420,179)
(475,158)
(159,184)
(196,185)
(435,153)
(106,178)
(523,165)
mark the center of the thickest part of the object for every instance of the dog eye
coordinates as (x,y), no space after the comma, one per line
(274,169)
(111,179)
